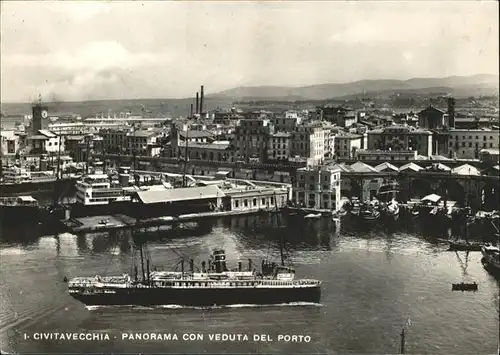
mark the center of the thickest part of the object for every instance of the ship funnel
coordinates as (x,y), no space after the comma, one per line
(203,268)
(249,264)
(239,266)
(182,267)
(191,265)
(220,260)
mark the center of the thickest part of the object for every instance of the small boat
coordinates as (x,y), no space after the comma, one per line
(464,246)
(369,214)
(464,286)
(491,259)
(312,216)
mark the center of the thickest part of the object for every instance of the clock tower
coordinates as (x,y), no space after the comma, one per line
(40,118)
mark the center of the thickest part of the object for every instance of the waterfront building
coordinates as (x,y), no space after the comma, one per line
(252,197)
(279,146)
(401,138)
(385,155)
(252,138)
(308,141)
(386,167)
(71,128)
(467,143)
(143,142)
(489,155)
(346,144)
(46,141)
(10,143)
(318,187)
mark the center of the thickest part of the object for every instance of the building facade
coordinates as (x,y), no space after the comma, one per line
(467,143)
(279,146)
(401,138)
(308,141)
(251,138)
(346,145)
(318,187)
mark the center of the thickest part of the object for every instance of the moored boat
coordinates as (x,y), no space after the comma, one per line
(18,209)
(491,259)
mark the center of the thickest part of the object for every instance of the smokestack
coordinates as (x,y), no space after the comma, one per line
(191,111)
(451,112)
(201,100)
(197,104)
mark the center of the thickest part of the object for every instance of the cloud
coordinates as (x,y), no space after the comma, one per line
(85,49)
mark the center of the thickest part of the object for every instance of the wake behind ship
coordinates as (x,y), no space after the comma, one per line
(212,286)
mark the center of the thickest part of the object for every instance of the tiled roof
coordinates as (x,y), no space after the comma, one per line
(466,169)
(360,167)
(410,166)
(386,166)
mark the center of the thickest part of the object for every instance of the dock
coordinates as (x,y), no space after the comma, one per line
(119,221)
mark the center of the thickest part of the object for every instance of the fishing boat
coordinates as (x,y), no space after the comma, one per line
(369,212)
(464,286)
(465,245)
(491,259)
(212,284)
(312,216)
(391,210)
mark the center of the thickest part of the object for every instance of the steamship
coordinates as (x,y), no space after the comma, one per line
(214,285)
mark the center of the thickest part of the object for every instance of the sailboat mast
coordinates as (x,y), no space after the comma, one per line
(142,263)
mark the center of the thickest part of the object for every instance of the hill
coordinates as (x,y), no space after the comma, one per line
(482,84)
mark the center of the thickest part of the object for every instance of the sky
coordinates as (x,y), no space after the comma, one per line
(84,50)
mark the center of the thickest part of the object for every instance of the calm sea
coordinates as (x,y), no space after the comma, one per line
(376,280)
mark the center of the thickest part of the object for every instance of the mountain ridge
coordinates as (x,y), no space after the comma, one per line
(488,83)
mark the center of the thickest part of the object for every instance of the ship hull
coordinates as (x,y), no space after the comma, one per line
(19,215)
(201,297)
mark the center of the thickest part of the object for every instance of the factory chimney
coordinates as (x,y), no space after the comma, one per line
(197,104)
(191,111)
(451,112)
(201,100)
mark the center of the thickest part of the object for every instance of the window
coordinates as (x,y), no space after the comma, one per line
(236,203)
(255,202)
(245,203)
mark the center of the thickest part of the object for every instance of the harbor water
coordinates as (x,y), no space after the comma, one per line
(376,280)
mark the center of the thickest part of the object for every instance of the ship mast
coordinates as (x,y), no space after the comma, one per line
(184,182)
(281,235)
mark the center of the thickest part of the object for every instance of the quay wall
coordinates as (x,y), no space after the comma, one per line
(479,192)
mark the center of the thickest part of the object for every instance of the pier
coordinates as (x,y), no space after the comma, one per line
(120,221)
